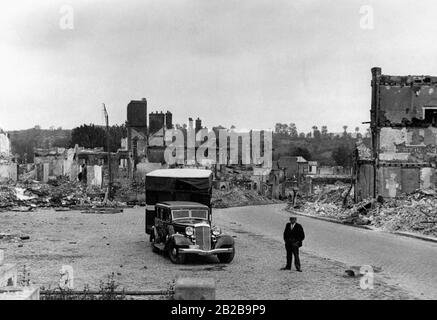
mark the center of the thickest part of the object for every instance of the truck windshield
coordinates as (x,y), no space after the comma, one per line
(199,214)
(187,214)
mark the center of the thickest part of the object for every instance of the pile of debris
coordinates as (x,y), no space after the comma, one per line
(130,192)
(329,200)
(408,213)
(337,193)
(238,197)
(60,193)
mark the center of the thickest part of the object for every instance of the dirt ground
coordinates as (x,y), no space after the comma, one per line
(96,245)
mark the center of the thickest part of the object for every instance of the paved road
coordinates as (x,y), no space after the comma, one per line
(410,263)
(97,245)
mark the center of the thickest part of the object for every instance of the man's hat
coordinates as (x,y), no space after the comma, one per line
(293,216)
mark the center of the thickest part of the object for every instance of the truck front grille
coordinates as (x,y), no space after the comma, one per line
(203,237)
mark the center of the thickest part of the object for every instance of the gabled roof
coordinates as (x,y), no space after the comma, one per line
(288,160)
(364,152)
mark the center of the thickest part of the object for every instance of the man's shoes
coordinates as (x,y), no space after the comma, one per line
(285,268)
(299,270)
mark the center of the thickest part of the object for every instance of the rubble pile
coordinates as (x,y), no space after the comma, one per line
(414,212)
(132,193)
(238,197)
(59,193)
(329,201)
(331,194)
(409,213)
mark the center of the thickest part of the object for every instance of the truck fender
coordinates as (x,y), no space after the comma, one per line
(224,241)
(180,240)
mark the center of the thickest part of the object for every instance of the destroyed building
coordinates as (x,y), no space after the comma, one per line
(5,144)
(403,122)
(54,162)
(159,123)
(296,167)
(8,168)
(136,125)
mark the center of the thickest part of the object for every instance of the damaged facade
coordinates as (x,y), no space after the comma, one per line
(404,137)
(136,133)
(8,167)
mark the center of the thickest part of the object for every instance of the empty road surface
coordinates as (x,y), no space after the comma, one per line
(408,262)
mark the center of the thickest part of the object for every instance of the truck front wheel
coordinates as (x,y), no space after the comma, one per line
(175,256)
(226,257)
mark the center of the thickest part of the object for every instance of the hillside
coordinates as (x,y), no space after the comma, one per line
(23,142)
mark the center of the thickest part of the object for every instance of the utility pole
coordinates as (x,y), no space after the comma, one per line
(109,154)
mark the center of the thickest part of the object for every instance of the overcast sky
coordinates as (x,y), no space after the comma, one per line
(245,63)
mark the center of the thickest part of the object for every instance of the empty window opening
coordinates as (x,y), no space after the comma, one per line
(430,115)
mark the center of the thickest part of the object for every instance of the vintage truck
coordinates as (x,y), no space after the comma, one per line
(179,216)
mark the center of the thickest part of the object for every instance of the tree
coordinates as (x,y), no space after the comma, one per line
(281,128)
(345,131)
(342,155)
(358,135)
(316,133)
(292,130)
(116,133)
(324,131)
(303,152)
(91,136)
(368,133)
(88,136)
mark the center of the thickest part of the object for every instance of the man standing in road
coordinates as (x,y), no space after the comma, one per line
(293,237)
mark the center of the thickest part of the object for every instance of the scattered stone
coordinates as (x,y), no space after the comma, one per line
(414,212)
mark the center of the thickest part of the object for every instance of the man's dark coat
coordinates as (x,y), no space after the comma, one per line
(294,237)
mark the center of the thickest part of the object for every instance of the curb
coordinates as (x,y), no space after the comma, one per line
(416,236)
(249,205)
(330,220)
(398,233)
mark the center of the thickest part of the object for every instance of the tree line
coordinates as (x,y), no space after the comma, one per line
(24,142)
(327,148)
(318,145)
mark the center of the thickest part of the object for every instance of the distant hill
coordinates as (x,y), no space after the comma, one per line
(322,149)
(23,142)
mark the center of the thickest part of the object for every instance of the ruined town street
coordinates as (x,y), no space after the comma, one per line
(407,262)
(96,245)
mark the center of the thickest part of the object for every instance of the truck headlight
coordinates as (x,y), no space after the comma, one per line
(189,231)
(216,230)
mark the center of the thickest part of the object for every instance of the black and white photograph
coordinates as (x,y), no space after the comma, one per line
(235,151)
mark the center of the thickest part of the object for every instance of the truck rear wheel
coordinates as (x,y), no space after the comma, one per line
(152,241)
(175,256)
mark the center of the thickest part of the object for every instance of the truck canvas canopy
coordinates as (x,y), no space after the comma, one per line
(196,180)
(194,185)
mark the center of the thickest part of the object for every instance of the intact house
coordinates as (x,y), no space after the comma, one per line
(403,122)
